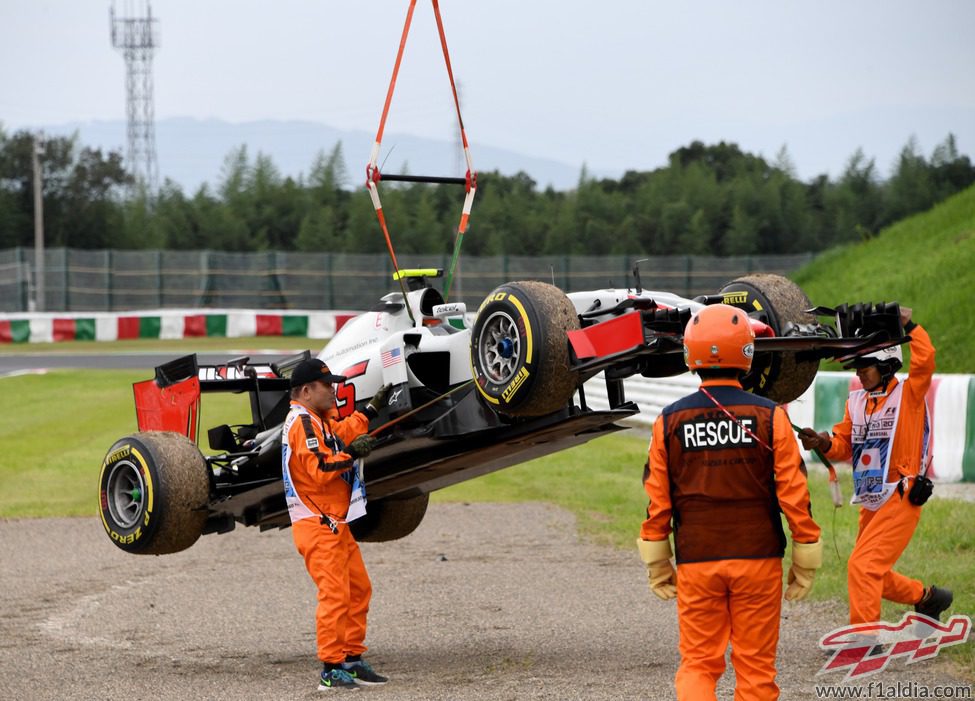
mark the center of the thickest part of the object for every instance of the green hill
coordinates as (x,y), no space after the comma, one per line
(926,262)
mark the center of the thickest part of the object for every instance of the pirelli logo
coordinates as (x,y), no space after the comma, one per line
(735,297)
(709,433)
(517,382)
(118,455)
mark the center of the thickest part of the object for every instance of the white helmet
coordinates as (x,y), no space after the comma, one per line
(890,359)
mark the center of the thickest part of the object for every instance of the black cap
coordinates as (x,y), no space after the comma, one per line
(312,370)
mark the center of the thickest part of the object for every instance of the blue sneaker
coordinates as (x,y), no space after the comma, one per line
(363,673)
(336,678)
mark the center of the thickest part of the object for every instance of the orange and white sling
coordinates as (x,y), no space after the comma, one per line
(373,175)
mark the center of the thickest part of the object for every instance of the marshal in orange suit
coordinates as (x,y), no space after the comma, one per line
(723,465)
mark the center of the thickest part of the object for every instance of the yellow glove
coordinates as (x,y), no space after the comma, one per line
(806,559)
(656,556)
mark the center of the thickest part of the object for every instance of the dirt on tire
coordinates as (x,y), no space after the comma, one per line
(170,511)
(790,375)
(546,315)
(557,381)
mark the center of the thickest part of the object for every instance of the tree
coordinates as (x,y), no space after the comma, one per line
(741,238)
(15,219)
(429,234)
(910,189)
(783,162)
(859,198)
(952,172)
(174,219)
(710,199)
(329,174)
(81,192)
(362,234)
(93,215)
(141,228)
(319,231)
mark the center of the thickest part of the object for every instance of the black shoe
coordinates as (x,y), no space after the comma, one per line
(336,678)
(934,601)
(363,673)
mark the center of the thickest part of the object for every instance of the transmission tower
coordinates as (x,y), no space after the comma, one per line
(137,38)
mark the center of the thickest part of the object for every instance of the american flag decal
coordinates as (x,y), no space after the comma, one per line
(392,357)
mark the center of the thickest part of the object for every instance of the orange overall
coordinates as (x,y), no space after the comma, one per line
(723,491)
(333,559)
(884,534)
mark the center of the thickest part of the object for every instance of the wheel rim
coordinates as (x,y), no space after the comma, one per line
(126,488)
(499,347)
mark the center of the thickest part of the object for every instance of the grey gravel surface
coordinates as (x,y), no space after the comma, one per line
(483,601)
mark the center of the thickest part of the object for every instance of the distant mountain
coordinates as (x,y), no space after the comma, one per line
(191,152)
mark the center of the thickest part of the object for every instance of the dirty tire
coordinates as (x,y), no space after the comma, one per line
(390,519)
(781,377)
(520,351)
(153,492)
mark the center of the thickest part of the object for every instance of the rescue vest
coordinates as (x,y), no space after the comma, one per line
(297,509)
(872,438)
(722,480)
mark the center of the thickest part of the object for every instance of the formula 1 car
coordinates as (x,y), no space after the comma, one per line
(466,398)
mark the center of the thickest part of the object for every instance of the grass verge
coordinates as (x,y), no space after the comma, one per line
(56,428)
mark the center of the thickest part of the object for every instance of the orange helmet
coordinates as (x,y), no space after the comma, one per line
(719,336)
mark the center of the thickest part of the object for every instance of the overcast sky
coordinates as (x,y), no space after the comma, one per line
(616,84)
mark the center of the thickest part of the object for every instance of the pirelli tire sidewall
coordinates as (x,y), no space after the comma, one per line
(542,381)
(169,513)
(781,376)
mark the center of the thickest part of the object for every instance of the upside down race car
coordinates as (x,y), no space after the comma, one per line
(466,398)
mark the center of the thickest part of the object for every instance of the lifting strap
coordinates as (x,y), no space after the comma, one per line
(373,176)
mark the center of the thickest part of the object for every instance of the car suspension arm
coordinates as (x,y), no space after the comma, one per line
(411,412)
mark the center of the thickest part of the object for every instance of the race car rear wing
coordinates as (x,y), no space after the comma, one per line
(171,400)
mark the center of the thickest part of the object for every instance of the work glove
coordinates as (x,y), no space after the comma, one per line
(656,556)
(815,441)
(378,400)
(806,559)
(361,446)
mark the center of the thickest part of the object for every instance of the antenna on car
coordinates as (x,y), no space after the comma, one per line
(636,274)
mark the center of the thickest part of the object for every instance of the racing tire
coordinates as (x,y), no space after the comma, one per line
(389,519)
(153,493)
(780,376)
(520,350)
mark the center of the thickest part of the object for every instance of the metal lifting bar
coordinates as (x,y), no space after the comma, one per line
(438,179)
